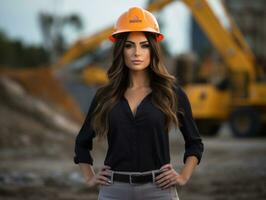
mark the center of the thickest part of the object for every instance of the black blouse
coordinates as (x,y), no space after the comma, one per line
(138,143)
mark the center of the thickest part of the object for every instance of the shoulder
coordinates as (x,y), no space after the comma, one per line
(180,92)
(97,94)
(182,98)
(94,100)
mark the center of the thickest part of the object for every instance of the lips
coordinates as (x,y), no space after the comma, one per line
(137,62)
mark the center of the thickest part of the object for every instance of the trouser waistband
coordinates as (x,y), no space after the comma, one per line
(134,177)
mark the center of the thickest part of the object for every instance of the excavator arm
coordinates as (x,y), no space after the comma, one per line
(231,45)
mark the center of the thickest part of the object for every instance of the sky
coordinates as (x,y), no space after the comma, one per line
(18,18)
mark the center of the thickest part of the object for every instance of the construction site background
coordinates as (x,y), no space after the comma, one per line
(43,107)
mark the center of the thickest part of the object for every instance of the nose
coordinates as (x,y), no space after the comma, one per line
(137,50)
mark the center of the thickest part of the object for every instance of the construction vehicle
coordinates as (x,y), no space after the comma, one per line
(243,101)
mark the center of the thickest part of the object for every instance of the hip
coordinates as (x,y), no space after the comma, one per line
(134,191)
(146,191)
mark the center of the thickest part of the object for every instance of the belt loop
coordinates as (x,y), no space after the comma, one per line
(130,180)
(153,176)
(112,177)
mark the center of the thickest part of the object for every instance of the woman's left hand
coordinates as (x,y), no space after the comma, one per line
(170,177)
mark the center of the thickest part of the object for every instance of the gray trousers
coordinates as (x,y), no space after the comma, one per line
(133,191)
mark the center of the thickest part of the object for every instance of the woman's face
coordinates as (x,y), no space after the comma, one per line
(137,51)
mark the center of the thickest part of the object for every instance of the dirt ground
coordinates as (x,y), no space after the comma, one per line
(230,169)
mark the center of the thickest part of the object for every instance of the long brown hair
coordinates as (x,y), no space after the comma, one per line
(161,83)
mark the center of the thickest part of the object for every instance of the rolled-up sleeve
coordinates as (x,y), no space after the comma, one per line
(84,139)
(193,142)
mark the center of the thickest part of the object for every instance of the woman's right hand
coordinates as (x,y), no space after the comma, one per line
(100,178)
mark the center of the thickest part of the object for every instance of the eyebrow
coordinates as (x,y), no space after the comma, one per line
(143,42)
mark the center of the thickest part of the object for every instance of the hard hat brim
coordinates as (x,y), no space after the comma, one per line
(159,36)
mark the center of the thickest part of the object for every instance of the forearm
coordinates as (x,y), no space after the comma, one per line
(87,171)
(191,163)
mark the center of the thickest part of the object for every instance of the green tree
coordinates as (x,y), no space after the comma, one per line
(13,53)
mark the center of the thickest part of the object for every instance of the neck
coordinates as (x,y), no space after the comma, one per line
(139,79)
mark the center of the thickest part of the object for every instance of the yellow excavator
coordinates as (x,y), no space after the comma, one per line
(242,102)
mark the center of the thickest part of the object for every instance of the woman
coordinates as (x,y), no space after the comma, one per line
(136,110)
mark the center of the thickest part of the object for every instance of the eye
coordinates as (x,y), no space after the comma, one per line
(128,45)
(145,46)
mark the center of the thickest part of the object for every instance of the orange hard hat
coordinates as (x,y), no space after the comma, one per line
(137,19)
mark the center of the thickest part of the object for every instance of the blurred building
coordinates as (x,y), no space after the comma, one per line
(250,16)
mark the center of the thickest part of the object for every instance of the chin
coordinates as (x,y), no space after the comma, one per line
(138,68)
